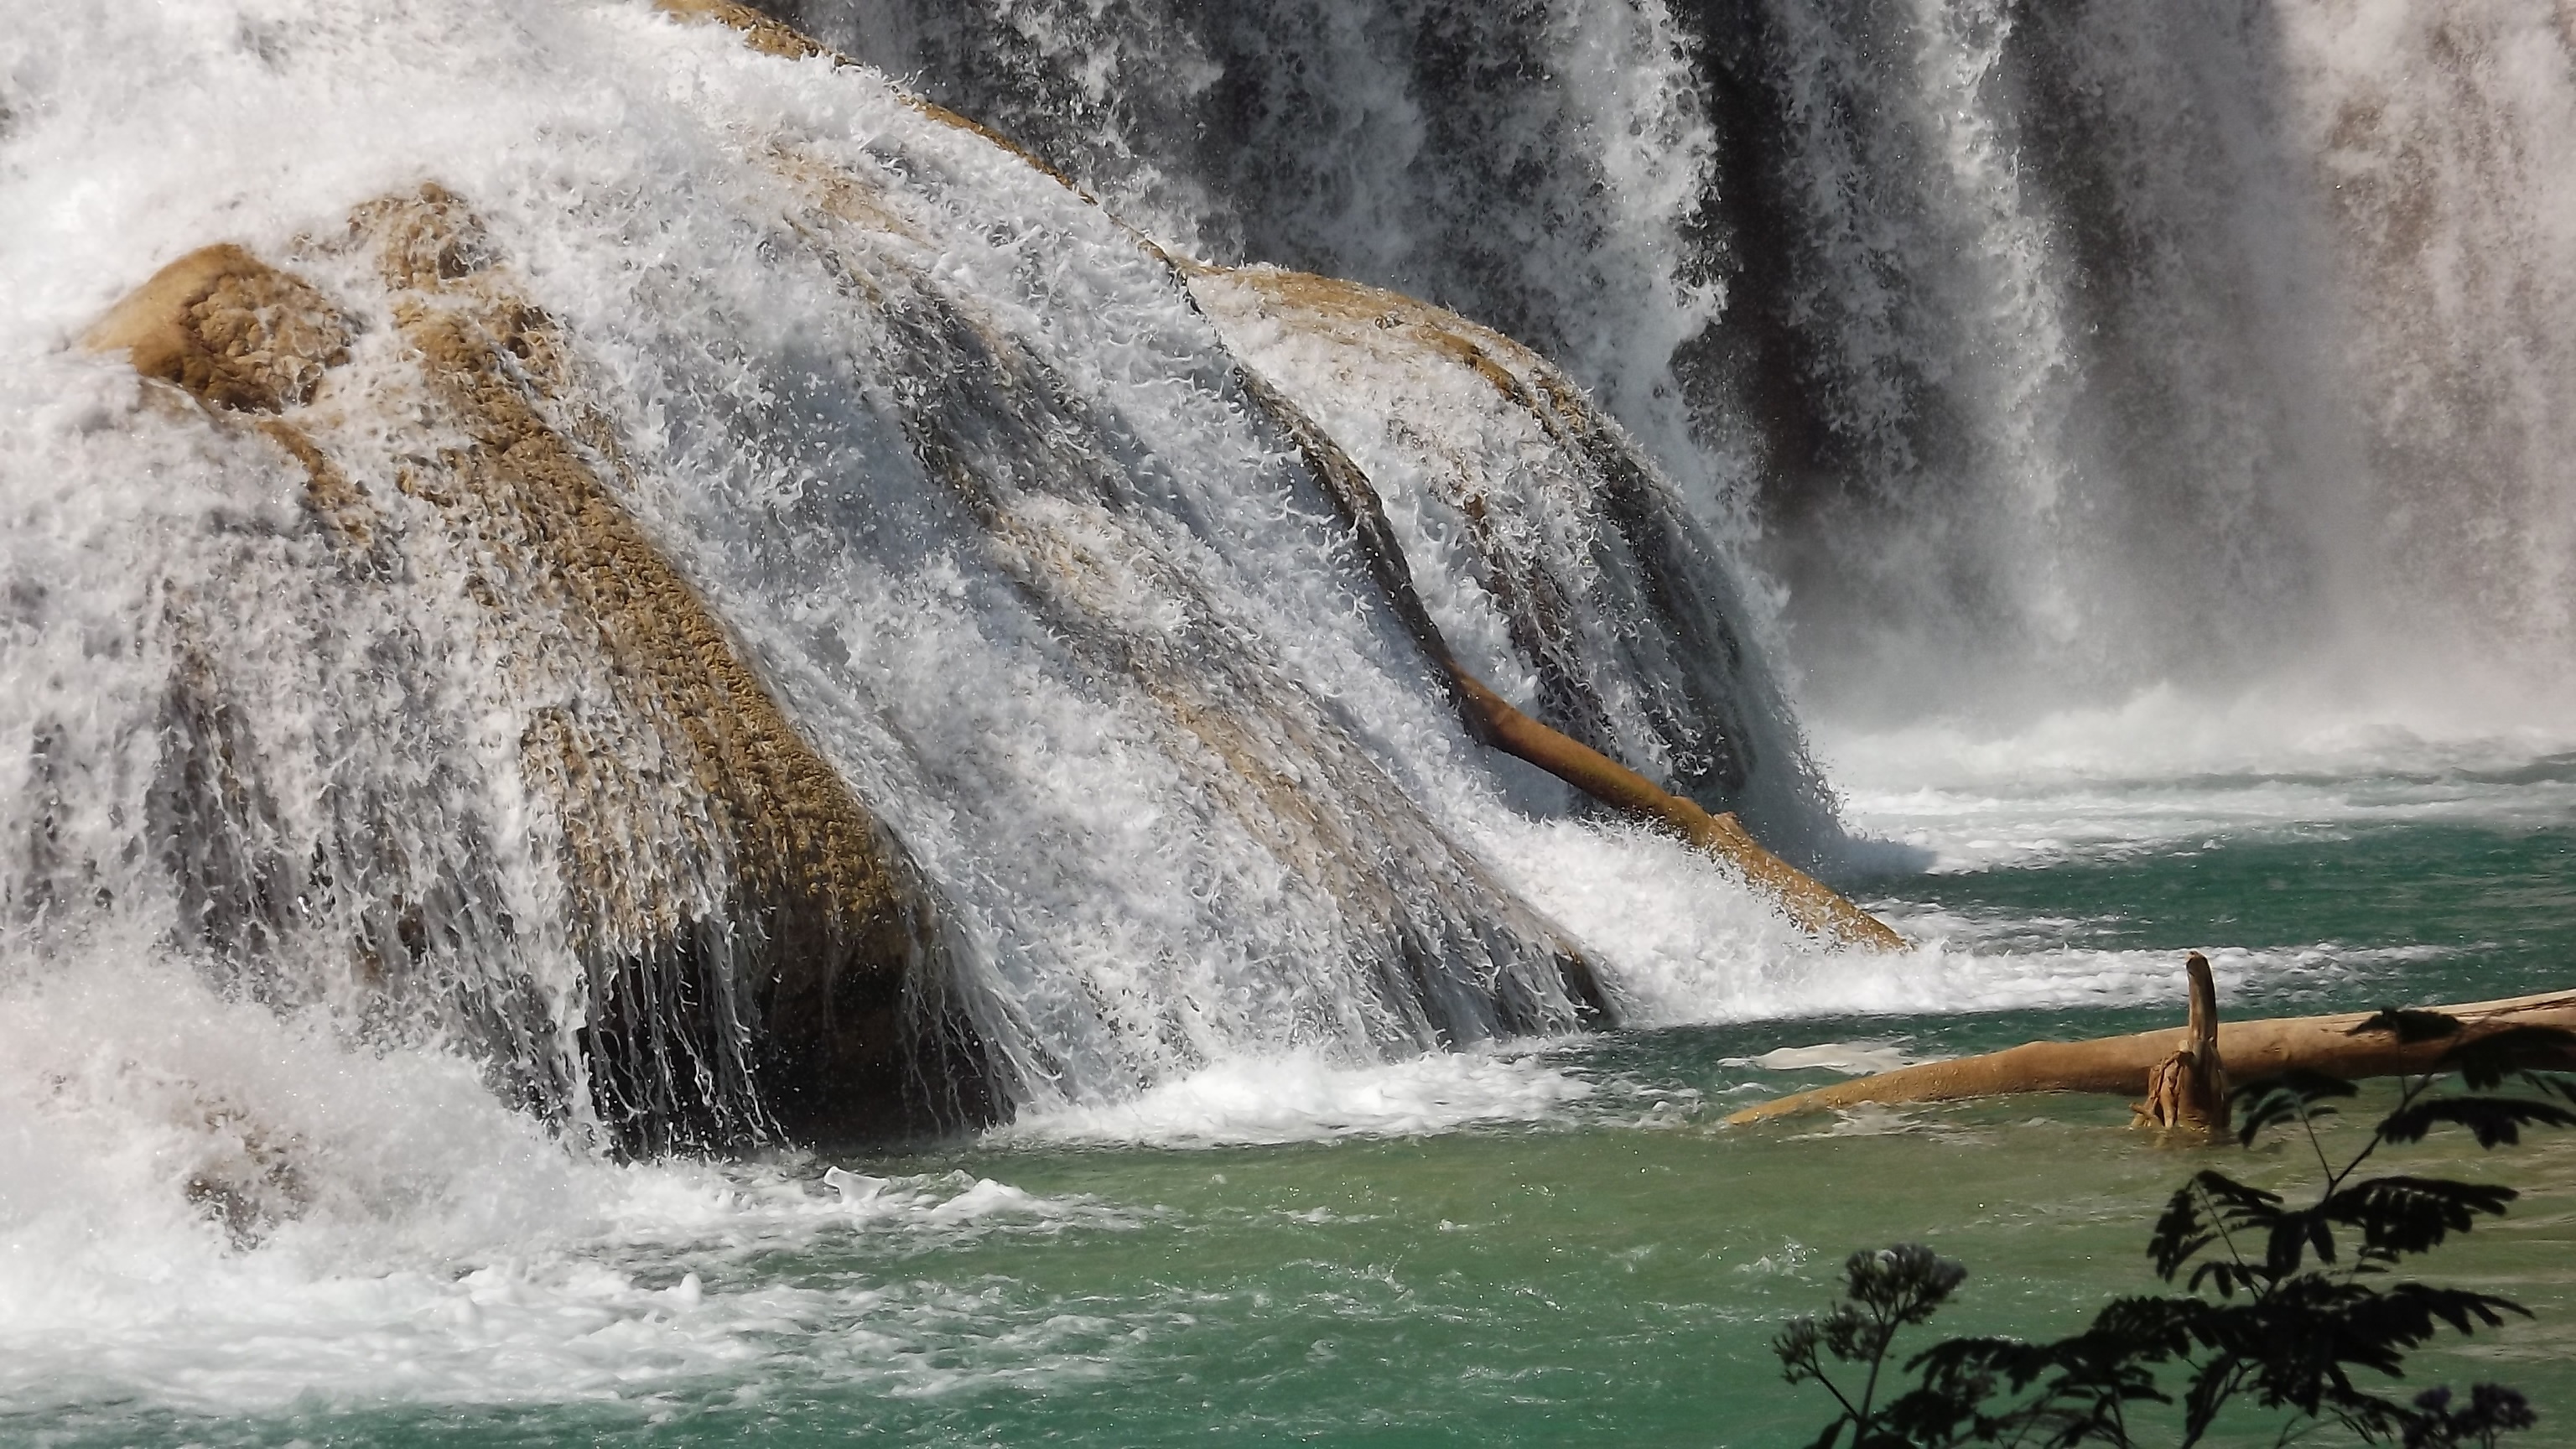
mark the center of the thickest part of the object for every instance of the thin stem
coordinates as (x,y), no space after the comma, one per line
(1817,1365)
(2414,1087)
(2308,1124)
(2218,1220)
(2196,1421)
(1884,1339)
(2292,1431)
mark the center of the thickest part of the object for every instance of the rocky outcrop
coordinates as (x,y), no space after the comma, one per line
(1707,730)
(467,753)
(786,42)
(767,957)
(1572,564)
(230,329)
(1455,954)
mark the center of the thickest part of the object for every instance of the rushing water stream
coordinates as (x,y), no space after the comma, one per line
(1538,1245)
(2094,481)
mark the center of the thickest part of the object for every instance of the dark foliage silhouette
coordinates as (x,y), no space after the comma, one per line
(2285,1320)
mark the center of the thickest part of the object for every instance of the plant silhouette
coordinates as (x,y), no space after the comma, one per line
(2283,1319)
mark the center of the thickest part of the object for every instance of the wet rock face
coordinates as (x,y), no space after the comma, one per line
(1561,564)
(1449,952)
(759,954)
(229,328)
(841,930)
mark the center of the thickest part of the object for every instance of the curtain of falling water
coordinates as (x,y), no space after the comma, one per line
(958,464)
(2042,353)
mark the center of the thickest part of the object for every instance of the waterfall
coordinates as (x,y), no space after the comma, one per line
(720,601)
(1536,168)
(666,577)
(2042,356)
(2182,392)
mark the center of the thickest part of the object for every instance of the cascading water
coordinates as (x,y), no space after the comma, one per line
(1537,169)
(786,608)
(2045,354)
(2160,371)
(759,613)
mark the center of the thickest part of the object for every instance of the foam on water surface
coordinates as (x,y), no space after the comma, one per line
(1306,1100)
(1851,1058)
(388,1233)
(2166,769)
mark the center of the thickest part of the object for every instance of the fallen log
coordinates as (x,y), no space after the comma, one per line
(2247,1050)
(1492,721)
(1815,906)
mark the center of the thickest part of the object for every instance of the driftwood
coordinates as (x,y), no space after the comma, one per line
(2244,1050)
(1489,718)
(1811,903)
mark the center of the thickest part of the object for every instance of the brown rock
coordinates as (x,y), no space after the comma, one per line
(229,328)
(826,929)
(843,931)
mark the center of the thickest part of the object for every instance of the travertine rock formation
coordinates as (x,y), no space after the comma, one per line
(763,955)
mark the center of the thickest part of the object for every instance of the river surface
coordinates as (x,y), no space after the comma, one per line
(1555,1243)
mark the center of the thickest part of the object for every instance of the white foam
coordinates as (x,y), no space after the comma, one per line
(403,1237)
(1680,942)
(1851,1058)
(2166,768)
(1310,1099)
(1681,936)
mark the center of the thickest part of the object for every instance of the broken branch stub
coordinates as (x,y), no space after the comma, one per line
(2187,1091)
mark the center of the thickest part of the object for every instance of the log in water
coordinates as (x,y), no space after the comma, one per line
(2335,1045)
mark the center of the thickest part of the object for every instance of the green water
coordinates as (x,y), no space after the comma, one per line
(1609,1274)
